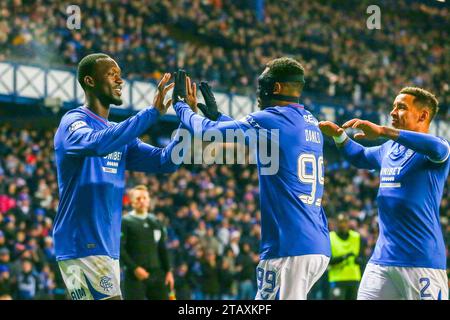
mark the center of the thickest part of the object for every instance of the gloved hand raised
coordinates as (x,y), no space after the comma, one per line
(179,90)
(209,109)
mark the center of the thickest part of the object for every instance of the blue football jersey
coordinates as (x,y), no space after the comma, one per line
(409,195)
(91,156)
(293,221)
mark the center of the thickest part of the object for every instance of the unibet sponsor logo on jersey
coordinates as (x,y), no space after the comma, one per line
(389,175)
(116,156)
(390,171)
(112,162)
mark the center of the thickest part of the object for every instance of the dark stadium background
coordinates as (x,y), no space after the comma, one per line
(350,71)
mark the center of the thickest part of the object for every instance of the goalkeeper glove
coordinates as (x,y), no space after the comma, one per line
(179,90)
(209,109)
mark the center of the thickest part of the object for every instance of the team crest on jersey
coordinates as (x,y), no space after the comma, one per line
(105,283)
(77,125)
(408,153)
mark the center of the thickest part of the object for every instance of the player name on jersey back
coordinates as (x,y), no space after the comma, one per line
(312,136)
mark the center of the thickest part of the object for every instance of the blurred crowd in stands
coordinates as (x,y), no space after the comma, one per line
(227,42)
(211,213)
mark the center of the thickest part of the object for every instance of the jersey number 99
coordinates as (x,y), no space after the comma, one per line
(313,178)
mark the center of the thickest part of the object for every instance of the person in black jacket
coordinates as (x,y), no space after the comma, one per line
(143,252)
(183,282)
(210,276)
(246,263)
(226,278)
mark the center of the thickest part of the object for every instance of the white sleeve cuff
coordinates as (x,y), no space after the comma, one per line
(340,139)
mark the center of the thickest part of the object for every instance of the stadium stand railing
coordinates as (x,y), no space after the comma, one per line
(58,88)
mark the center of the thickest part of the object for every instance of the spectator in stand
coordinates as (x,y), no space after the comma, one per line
(27,284)
(47,282)
(245,263)
(210,276)
(226,277)
(5,284)
(183,282)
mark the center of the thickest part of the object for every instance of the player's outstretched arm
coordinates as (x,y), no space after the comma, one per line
(144,157)
(435,148)
(356,154)
(224,117)
(79,139)
(369,130)
(198,124)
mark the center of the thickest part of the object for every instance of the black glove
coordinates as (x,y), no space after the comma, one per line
(209,109)
(179,90)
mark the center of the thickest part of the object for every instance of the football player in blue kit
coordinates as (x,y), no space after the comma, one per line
(91,156)
(409,259)
(295,244)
